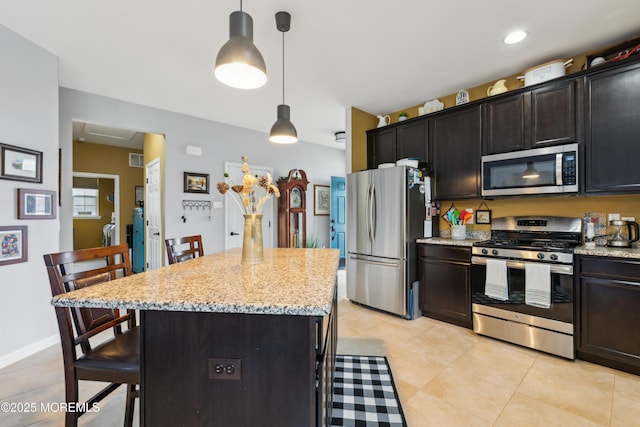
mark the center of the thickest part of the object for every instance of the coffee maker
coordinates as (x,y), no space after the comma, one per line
(622,233)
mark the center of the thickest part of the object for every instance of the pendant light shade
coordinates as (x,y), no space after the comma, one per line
(239,64)
(283,131)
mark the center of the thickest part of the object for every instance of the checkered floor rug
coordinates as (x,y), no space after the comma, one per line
(364,394)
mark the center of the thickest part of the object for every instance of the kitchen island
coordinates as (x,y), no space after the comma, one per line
(226,344)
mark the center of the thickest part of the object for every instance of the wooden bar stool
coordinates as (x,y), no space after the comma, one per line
(115,360)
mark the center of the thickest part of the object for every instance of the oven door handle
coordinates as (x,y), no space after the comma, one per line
(519,265)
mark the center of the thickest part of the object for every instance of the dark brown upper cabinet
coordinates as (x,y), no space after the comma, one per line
(412,140)
(381,146)
(455,143)
(545,115)
(612,131)
(398,141)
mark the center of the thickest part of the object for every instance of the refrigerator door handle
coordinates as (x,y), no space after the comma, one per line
(385,264)
(369,213)
(373,213)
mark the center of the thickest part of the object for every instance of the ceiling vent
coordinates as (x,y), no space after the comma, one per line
(136,160)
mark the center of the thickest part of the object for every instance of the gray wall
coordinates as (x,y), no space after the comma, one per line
(220,143)
(29,119)
(36,114)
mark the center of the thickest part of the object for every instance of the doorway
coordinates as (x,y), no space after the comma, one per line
(105,150)
(96,210)
(154,245)
(338,218)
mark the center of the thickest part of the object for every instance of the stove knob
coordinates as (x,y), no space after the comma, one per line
(540,256)
(494,252)
(554,257)
(484,252)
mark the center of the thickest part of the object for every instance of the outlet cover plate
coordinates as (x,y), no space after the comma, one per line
(225,369)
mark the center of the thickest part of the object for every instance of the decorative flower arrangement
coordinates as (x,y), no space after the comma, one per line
(246,195)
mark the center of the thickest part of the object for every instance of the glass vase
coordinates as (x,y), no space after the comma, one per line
(252,251)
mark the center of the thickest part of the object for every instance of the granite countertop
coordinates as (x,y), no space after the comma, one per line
(605,251)
(288,281)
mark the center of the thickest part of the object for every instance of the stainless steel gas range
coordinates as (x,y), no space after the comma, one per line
(522,282)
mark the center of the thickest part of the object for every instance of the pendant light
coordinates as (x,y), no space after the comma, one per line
(283,131)
(239,64)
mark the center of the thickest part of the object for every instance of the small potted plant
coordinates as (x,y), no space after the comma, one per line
(402,116)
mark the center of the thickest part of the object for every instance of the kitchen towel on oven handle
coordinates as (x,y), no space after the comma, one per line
(537,284)
(496,285)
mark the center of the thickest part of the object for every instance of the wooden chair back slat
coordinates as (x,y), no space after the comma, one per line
(177,252)
(68,273)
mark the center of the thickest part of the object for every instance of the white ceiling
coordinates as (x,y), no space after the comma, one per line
(97,134)
(378,56)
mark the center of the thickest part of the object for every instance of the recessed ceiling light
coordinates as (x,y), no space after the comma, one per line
(515,37)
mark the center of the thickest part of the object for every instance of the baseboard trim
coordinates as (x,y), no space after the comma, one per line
(27,351)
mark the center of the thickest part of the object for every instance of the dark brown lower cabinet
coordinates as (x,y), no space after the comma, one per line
(608,312)
(285,375)
(445,283)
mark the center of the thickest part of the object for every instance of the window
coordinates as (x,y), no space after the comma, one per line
(85,203)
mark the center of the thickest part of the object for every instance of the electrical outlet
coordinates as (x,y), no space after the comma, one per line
(613,216)
(629,218)
(225,369)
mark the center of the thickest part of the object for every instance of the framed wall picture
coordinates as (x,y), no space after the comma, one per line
(36,204)
(321,199)
(196,182)
(13,244)
(483,217)
(20,164)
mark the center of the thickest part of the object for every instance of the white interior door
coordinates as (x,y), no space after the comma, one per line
(234,221)
(153,216)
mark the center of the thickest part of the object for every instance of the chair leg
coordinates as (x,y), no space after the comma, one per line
(71,394)
(130,405)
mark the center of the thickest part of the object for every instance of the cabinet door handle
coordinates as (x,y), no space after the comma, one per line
(233,233)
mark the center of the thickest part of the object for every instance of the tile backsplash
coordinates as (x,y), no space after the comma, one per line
(573,206)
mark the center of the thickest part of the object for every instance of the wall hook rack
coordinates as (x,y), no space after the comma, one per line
(196,204)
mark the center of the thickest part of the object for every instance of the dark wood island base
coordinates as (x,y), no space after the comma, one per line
(283,361)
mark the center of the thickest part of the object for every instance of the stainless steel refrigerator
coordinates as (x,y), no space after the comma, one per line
(385,215)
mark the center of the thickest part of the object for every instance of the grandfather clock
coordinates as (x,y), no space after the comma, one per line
(292,215)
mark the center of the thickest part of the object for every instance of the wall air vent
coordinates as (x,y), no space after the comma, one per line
(136,160)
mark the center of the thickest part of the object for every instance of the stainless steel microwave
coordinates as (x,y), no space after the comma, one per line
(537,171)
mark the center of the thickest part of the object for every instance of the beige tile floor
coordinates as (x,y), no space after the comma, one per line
(445,375)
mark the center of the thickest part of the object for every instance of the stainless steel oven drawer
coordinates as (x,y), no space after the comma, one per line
(557,343)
